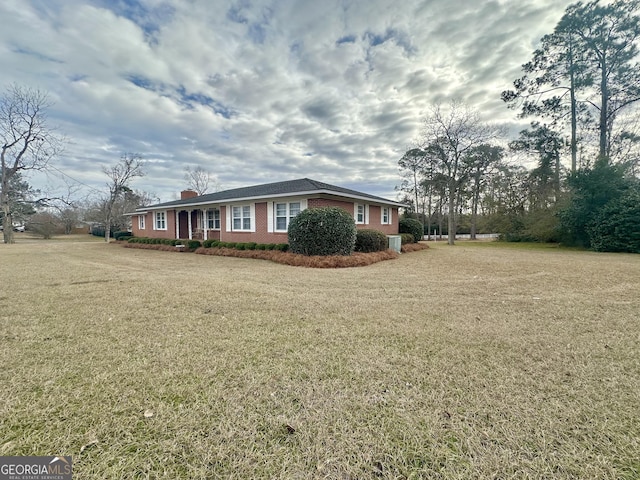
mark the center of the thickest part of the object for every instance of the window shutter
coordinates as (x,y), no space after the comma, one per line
(270,217)
(366,214)
(228,218)
(252,210)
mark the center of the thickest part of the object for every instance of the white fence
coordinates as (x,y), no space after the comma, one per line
(464,236)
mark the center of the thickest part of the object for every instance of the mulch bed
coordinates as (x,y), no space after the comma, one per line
(332,261)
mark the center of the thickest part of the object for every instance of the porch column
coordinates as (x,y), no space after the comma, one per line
(177,219)
(205,224)
(190,228)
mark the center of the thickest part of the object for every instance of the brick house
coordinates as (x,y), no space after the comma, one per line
(260,213)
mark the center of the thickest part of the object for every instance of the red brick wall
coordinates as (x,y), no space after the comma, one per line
(260,235)
(375,214)
(326,202)
(170,232)
(375,220)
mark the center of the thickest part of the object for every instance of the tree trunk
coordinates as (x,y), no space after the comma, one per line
(451,225)
(107,229)
(7,223)
(574,109)
(604,106)
(474,211)
(429,216)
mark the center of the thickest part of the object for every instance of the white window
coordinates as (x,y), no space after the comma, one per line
(161,221)
(241,217)
(361,213)
(141,220)
(284,212)
(386,216)
(213,219)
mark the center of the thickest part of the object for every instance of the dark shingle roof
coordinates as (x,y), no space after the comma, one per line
(286,188)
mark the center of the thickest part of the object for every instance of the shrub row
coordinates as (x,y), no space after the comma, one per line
(368,241)
(159,241)
(193,244)
(282,247)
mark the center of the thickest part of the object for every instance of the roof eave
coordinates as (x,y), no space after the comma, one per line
(169,206)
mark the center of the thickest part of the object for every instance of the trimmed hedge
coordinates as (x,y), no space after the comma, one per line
(412,226)
(322,231)
(195,244)
(368,241)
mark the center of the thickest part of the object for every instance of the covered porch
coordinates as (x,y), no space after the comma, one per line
(198,224)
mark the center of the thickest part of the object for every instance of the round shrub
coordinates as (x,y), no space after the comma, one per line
(412,226)
(322,231)
(368,241)
(193,244)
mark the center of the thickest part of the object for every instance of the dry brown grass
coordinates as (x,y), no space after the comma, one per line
(456,362)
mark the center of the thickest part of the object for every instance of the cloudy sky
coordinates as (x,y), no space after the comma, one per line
(261,91)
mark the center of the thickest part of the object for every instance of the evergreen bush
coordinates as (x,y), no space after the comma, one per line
(412,226)
(368,241)
(322,231)
(406,238)
(617,226)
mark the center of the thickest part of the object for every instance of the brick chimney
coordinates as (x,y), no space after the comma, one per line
(184,194)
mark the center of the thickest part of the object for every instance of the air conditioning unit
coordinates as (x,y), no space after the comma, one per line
(395,242)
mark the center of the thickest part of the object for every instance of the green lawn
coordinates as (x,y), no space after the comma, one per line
(454,362)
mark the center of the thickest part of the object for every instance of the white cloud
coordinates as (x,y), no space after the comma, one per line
(262,91)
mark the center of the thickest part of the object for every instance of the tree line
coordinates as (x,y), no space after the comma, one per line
(581,91)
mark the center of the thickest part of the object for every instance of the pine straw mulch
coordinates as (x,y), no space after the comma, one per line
(287,258)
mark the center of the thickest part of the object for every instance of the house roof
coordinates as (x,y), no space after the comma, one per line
(302,186)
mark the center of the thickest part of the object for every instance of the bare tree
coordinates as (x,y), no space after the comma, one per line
(28,143)
(449,135)
(129,167)
(200,180)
